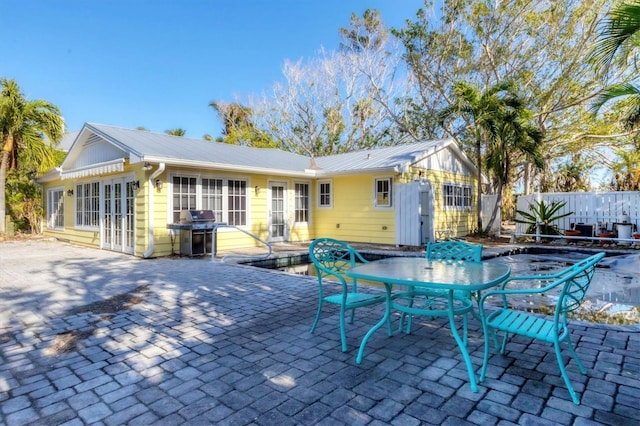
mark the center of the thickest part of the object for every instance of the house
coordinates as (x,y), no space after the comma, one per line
(118,189)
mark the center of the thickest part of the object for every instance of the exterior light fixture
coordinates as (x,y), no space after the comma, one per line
(159,184)
(69,192)
(257,189)
(135,185)
(147,167)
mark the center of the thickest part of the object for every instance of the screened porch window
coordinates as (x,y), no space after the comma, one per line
(301,202)
(324,194)
(88,205)
(383,192)
(227,198)
(55,208)
(184,195)
(457,196)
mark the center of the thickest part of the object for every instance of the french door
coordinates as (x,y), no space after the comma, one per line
(278,211)
(118,216)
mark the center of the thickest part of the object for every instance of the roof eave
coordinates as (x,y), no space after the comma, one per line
(221,166)
(328,173)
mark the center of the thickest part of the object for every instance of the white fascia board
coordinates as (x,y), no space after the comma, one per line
(323,173)
(222,166)
(50,175)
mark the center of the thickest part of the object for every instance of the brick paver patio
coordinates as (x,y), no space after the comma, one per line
(90,337)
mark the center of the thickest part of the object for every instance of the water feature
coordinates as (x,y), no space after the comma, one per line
(615,284)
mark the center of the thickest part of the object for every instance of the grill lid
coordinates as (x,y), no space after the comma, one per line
(190,216)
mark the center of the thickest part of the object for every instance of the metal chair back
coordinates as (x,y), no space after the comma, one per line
(454,250)
(332,258)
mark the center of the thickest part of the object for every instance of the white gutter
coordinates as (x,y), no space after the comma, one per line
(226,167)
(150,209)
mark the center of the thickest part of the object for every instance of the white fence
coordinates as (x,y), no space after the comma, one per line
(601,209)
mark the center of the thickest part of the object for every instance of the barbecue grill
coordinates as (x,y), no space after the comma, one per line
(196,232)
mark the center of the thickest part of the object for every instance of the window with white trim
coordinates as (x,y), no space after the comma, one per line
(184,195)
(227,198)
(325,194)
(212,198)
(55,208)
(88,205)
(457,196)
(383,192)
(301,196)
(237,202)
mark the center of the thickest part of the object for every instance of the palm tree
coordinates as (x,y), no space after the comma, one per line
(514,136)
(29,130)
(176,132)
(480,113)
(234,116)
(619,37)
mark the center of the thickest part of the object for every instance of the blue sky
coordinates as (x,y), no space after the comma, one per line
(159,63)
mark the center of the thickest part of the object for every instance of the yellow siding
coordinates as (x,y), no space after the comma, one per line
(353,216)
(460,222)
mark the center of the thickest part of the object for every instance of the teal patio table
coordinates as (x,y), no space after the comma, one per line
(443,276)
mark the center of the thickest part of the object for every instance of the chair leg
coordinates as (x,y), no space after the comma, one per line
(406,315)
(343,332)
(575,356)
(315,322)
(465,328)
(565,376)
(485,358)
(503,347)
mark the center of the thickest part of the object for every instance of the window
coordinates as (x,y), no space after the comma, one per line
(457,196)
(383,192)
(55,208)
(227,198)
(324,194)
(212,197)
(184,195)
(237,202)
(88,205)
(301,195)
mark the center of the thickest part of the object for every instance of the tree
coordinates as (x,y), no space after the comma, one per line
(340,101)
(570,176)
(627,171)
(239,127)
(176,132)
(494,120)
(539,45)
(30,131)
(619,37)
(514,137)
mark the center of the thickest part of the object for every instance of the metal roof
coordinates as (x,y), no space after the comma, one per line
(145,146)
(398,157)
(157,147)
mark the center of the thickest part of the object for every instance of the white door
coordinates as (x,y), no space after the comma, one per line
(426,221)
(118,216)
(278,211)
(413,203)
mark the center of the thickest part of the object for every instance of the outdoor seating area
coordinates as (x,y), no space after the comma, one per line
(447,283)
(119,340)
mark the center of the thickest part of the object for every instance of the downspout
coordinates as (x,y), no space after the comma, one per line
(150,209)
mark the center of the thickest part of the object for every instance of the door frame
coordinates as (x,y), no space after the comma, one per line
(285,210)
(126,215)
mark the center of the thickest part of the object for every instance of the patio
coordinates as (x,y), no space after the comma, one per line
(94,337)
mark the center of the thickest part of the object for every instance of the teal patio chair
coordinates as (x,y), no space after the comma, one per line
(450,251)
(331,259)
(573,283)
